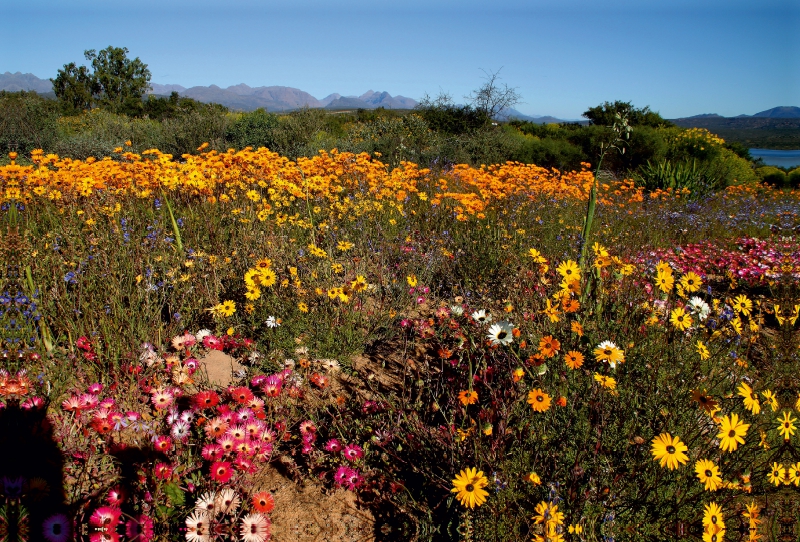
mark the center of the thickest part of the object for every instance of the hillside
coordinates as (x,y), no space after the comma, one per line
(763,132)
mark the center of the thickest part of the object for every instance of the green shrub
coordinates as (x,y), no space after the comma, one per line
(772,176)
(255,129)
(185,132)
(82,146)
(546,152)
(794,178)
(27,122)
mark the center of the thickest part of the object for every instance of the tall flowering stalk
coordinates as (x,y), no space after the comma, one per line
(622,131)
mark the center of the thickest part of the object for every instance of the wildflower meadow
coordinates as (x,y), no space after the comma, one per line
(499,352)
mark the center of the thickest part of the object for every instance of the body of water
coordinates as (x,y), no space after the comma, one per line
(771,157)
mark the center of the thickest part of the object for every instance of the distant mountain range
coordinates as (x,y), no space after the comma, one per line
(273,98)
(277,98)
(783,112)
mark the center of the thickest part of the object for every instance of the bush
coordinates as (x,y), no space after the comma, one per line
(27,122)
(185,132)
(256,129)
(547,152)
(794,178)
(772,176)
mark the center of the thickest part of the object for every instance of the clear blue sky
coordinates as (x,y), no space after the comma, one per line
(680,57)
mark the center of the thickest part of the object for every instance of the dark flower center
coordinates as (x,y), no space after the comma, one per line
(470,488)
(731,433)
(670,449)
(540,398)
(502,335)
(709,473)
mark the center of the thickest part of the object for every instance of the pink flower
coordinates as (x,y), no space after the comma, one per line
(32,403)
(161,399)
(272,386)
(105,518)
(83,343)
(140,526)
(342,474)
(162,443)
(95,388)
(307,427)
(116,496)
(212,343)
(88,400)
(212,452)
(353,452)
(72,404)
(333,445)
(257,381)
(353,480)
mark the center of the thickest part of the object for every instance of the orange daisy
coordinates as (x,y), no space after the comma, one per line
(468,397)
(539,400)
(573,359)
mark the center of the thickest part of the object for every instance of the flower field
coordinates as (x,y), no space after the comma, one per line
(428,345)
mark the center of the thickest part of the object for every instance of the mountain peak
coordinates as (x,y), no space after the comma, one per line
(782,112)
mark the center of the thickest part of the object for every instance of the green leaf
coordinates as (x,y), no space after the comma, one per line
(175,494)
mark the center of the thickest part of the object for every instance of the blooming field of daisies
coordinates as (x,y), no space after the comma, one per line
(455,349)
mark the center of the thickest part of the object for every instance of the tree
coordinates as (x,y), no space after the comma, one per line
(74,87)
(114,81)
(606,114)
(442,115)
(491,98)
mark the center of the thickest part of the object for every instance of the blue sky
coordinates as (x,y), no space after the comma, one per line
(680,57)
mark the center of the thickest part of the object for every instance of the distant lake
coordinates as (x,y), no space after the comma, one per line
(778,158)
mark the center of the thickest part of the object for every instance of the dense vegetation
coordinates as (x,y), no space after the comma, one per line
(435,134)
(384,317)
(462,343)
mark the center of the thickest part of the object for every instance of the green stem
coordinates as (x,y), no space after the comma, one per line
(175,229)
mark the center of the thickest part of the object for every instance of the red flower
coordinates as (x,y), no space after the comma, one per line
(205,399)
(319,380)
(221,471)
(101,425)
(163,471)
(241,394)
(83,343)
(263,501)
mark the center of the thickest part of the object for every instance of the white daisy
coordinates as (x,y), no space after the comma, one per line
(330,365)
(458,310)
(501,333)
(272,322)
(198,527)
(206,502)
(699,307)
(227,501)
(202,334)
(482,317)
(254,528)
(180,430)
